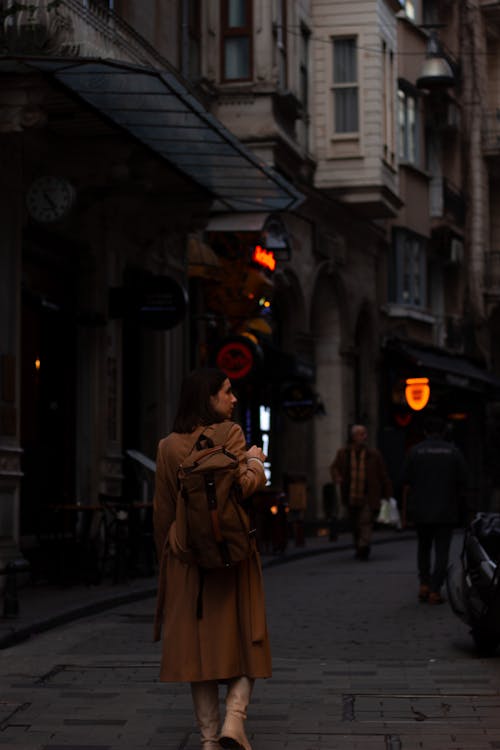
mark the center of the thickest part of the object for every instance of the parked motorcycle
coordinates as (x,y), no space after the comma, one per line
(473,581)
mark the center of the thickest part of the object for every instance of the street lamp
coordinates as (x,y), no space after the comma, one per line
(436,72)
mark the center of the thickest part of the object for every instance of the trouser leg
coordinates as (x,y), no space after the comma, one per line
(442,541)
(365,526)
(354,522)
(424,547)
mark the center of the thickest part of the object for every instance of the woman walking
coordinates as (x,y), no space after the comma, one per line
(229,641)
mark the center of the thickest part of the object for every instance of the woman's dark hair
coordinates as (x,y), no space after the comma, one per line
(194,407)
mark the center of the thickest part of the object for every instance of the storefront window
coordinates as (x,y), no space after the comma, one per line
(265,429)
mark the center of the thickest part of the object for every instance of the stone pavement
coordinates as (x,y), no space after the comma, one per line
(358,664)
(45,606)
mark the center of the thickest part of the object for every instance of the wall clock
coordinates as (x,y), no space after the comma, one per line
(49,198)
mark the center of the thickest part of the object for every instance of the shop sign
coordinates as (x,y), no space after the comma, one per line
(417,393)
(264,258)
(299,401)
(160,303)
(236,358)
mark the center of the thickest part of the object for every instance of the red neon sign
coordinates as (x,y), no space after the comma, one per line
(264,257)
(235,359)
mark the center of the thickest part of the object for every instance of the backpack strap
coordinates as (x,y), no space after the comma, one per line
(215,434)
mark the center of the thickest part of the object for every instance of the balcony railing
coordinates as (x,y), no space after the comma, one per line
(76,28)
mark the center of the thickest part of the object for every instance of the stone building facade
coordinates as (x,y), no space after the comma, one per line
(183,136)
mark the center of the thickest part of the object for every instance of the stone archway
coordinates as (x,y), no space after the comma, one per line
(330,329)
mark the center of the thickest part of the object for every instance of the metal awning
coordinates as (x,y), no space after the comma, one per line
(158,110)
(454,369)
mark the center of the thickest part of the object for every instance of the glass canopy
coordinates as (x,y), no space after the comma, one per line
(156,108)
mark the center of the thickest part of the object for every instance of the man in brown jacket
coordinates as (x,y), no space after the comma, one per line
(361,474)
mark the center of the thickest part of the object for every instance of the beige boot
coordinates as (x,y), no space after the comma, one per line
(206,708)
(232,734)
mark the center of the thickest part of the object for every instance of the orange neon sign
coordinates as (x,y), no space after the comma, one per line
(264,257)
(417,393)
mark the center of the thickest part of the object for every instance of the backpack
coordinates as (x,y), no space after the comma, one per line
(212,527)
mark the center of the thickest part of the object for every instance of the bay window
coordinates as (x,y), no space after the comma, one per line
(345,86)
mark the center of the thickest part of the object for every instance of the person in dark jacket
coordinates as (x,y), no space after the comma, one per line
(434,480)
(363,479)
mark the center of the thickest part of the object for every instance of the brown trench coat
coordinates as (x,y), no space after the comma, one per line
(231,638)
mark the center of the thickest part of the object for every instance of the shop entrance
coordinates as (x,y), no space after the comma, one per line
(48,375)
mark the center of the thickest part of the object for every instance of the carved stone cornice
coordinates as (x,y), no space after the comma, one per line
(41,27)
(62,28)
(21,107)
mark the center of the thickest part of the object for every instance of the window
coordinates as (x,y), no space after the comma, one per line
(304,69)
(236,40)
(303,124)
(388,103)
(411,8)
(265,430)
(191,39)
(407,128)
(408,269)
(345,86)
(109,4)
(281,45)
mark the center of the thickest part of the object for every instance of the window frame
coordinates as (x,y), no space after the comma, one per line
(304,69)
(281,44)
(406,94)
(397,269)
(337,86)
(190,34)
(236,32)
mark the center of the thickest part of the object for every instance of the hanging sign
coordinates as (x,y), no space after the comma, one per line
(236,357)
(160,303)
(299,401)
(417,393)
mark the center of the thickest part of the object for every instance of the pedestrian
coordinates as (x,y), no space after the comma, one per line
(363,480)
(434,480)
(229,642)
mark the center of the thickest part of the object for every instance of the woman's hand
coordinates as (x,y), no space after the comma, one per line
(256,452)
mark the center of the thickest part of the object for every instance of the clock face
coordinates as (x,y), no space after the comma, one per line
(49,198)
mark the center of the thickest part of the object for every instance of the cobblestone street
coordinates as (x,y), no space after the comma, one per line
(358,663)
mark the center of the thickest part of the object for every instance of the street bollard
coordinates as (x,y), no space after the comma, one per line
(10,597)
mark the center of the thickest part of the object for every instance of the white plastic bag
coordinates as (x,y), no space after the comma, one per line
(384,514)
(394,515)
(389,513)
